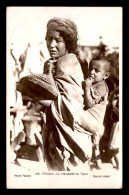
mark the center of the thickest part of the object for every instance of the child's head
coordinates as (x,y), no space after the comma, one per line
(99,69)
(61,35)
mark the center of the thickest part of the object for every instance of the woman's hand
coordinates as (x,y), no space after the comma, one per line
(32,96)
(50,66)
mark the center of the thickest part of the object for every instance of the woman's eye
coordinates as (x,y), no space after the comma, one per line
(58,40)
(48,40)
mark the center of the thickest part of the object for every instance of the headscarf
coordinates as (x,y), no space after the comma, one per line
(63,24)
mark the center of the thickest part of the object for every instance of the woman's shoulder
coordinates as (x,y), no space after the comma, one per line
(69,58)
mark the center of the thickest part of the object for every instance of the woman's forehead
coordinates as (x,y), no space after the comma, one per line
(54,33)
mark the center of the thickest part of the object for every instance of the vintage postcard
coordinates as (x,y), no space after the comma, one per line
(64,97)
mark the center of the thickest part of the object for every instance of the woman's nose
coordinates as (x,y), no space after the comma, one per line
(52,43)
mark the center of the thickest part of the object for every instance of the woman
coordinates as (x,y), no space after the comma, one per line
(65,146)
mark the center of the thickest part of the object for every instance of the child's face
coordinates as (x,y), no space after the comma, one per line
(97,71)
(55,44)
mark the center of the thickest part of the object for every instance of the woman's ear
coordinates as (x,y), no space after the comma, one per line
(107,74)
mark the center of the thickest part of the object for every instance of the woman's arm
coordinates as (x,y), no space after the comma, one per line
(27,92)
(45,103)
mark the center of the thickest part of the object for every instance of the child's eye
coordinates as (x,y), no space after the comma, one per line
(96,70)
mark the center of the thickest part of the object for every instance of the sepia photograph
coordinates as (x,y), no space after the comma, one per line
(64,97)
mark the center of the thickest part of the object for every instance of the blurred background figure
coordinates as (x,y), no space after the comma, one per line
(32,59)
(110,141)
(24,114)
(15,99)
(14,73)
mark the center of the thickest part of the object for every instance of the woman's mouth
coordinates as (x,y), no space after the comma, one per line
(52,51)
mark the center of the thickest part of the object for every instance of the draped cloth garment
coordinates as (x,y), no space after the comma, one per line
(64,146)
(93,118)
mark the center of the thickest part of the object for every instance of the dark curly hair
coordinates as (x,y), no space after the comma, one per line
(70,41)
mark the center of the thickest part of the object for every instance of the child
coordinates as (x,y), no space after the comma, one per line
(95,99)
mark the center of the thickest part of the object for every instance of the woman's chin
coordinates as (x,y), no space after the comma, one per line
(53,55)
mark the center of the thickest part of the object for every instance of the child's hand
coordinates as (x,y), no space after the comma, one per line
(88,82)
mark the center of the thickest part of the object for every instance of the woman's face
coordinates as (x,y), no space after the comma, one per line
(55,44)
